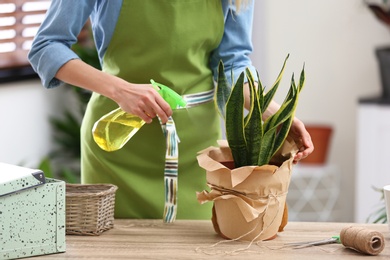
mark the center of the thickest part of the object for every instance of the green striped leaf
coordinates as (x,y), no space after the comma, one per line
(271,93)
(260,93)
(274,127)
(302,78)
(284,117)
(235,123)
(266,148)
(282,134)
(285,128)
(254,128)
(285,110)
(292,91)
(252,91)
(223,90)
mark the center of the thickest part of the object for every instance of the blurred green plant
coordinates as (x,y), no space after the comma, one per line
(64,173)
(379,216)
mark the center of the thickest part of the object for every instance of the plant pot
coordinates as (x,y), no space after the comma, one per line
(383,56)
(383,59)
(321,138)
(249,202)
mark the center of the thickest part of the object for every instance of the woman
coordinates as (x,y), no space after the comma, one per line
(175,42)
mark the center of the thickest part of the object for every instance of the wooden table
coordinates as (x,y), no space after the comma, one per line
(188,239)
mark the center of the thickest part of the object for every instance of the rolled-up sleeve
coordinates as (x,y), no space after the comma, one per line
(51,47)
(236,44)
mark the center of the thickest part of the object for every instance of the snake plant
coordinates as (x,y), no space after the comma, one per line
(252,140)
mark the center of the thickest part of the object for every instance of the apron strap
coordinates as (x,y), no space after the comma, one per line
(198,98)
(172,155)
(170,171)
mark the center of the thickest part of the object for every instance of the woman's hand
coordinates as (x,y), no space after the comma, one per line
(144,101)
(297,131)
(141,100)
(302,138)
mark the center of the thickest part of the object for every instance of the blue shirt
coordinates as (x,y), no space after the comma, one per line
(65,18)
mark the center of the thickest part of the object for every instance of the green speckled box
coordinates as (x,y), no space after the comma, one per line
(32,213)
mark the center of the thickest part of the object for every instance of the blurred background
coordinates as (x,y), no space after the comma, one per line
(336,41)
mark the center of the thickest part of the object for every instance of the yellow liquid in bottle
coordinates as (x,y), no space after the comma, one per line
(112,131)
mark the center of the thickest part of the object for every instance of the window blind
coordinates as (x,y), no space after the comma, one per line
(19,22)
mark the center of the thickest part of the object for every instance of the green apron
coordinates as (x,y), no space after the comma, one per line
(169,41)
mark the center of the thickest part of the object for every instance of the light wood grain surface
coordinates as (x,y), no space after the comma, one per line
(188,239)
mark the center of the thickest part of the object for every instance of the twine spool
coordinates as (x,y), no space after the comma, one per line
(363,240)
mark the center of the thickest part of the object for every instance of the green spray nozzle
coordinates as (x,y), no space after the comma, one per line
(173,99)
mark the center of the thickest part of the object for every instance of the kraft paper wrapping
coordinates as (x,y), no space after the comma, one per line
(249,201)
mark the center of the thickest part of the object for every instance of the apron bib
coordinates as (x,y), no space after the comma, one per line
(169,41)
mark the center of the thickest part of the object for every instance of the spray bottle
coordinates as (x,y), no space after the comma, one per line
(113,130)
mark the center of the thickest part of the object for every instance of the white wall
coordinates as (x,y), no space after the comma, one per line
(336,41)
(25,132)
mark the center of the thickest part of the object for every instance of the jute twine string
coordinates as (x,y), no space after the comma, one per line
(363,240)
(289,247)
(236,251)
(360,239)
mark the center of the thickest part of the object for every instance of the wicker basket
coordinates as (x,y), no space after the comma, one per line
(89,208)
